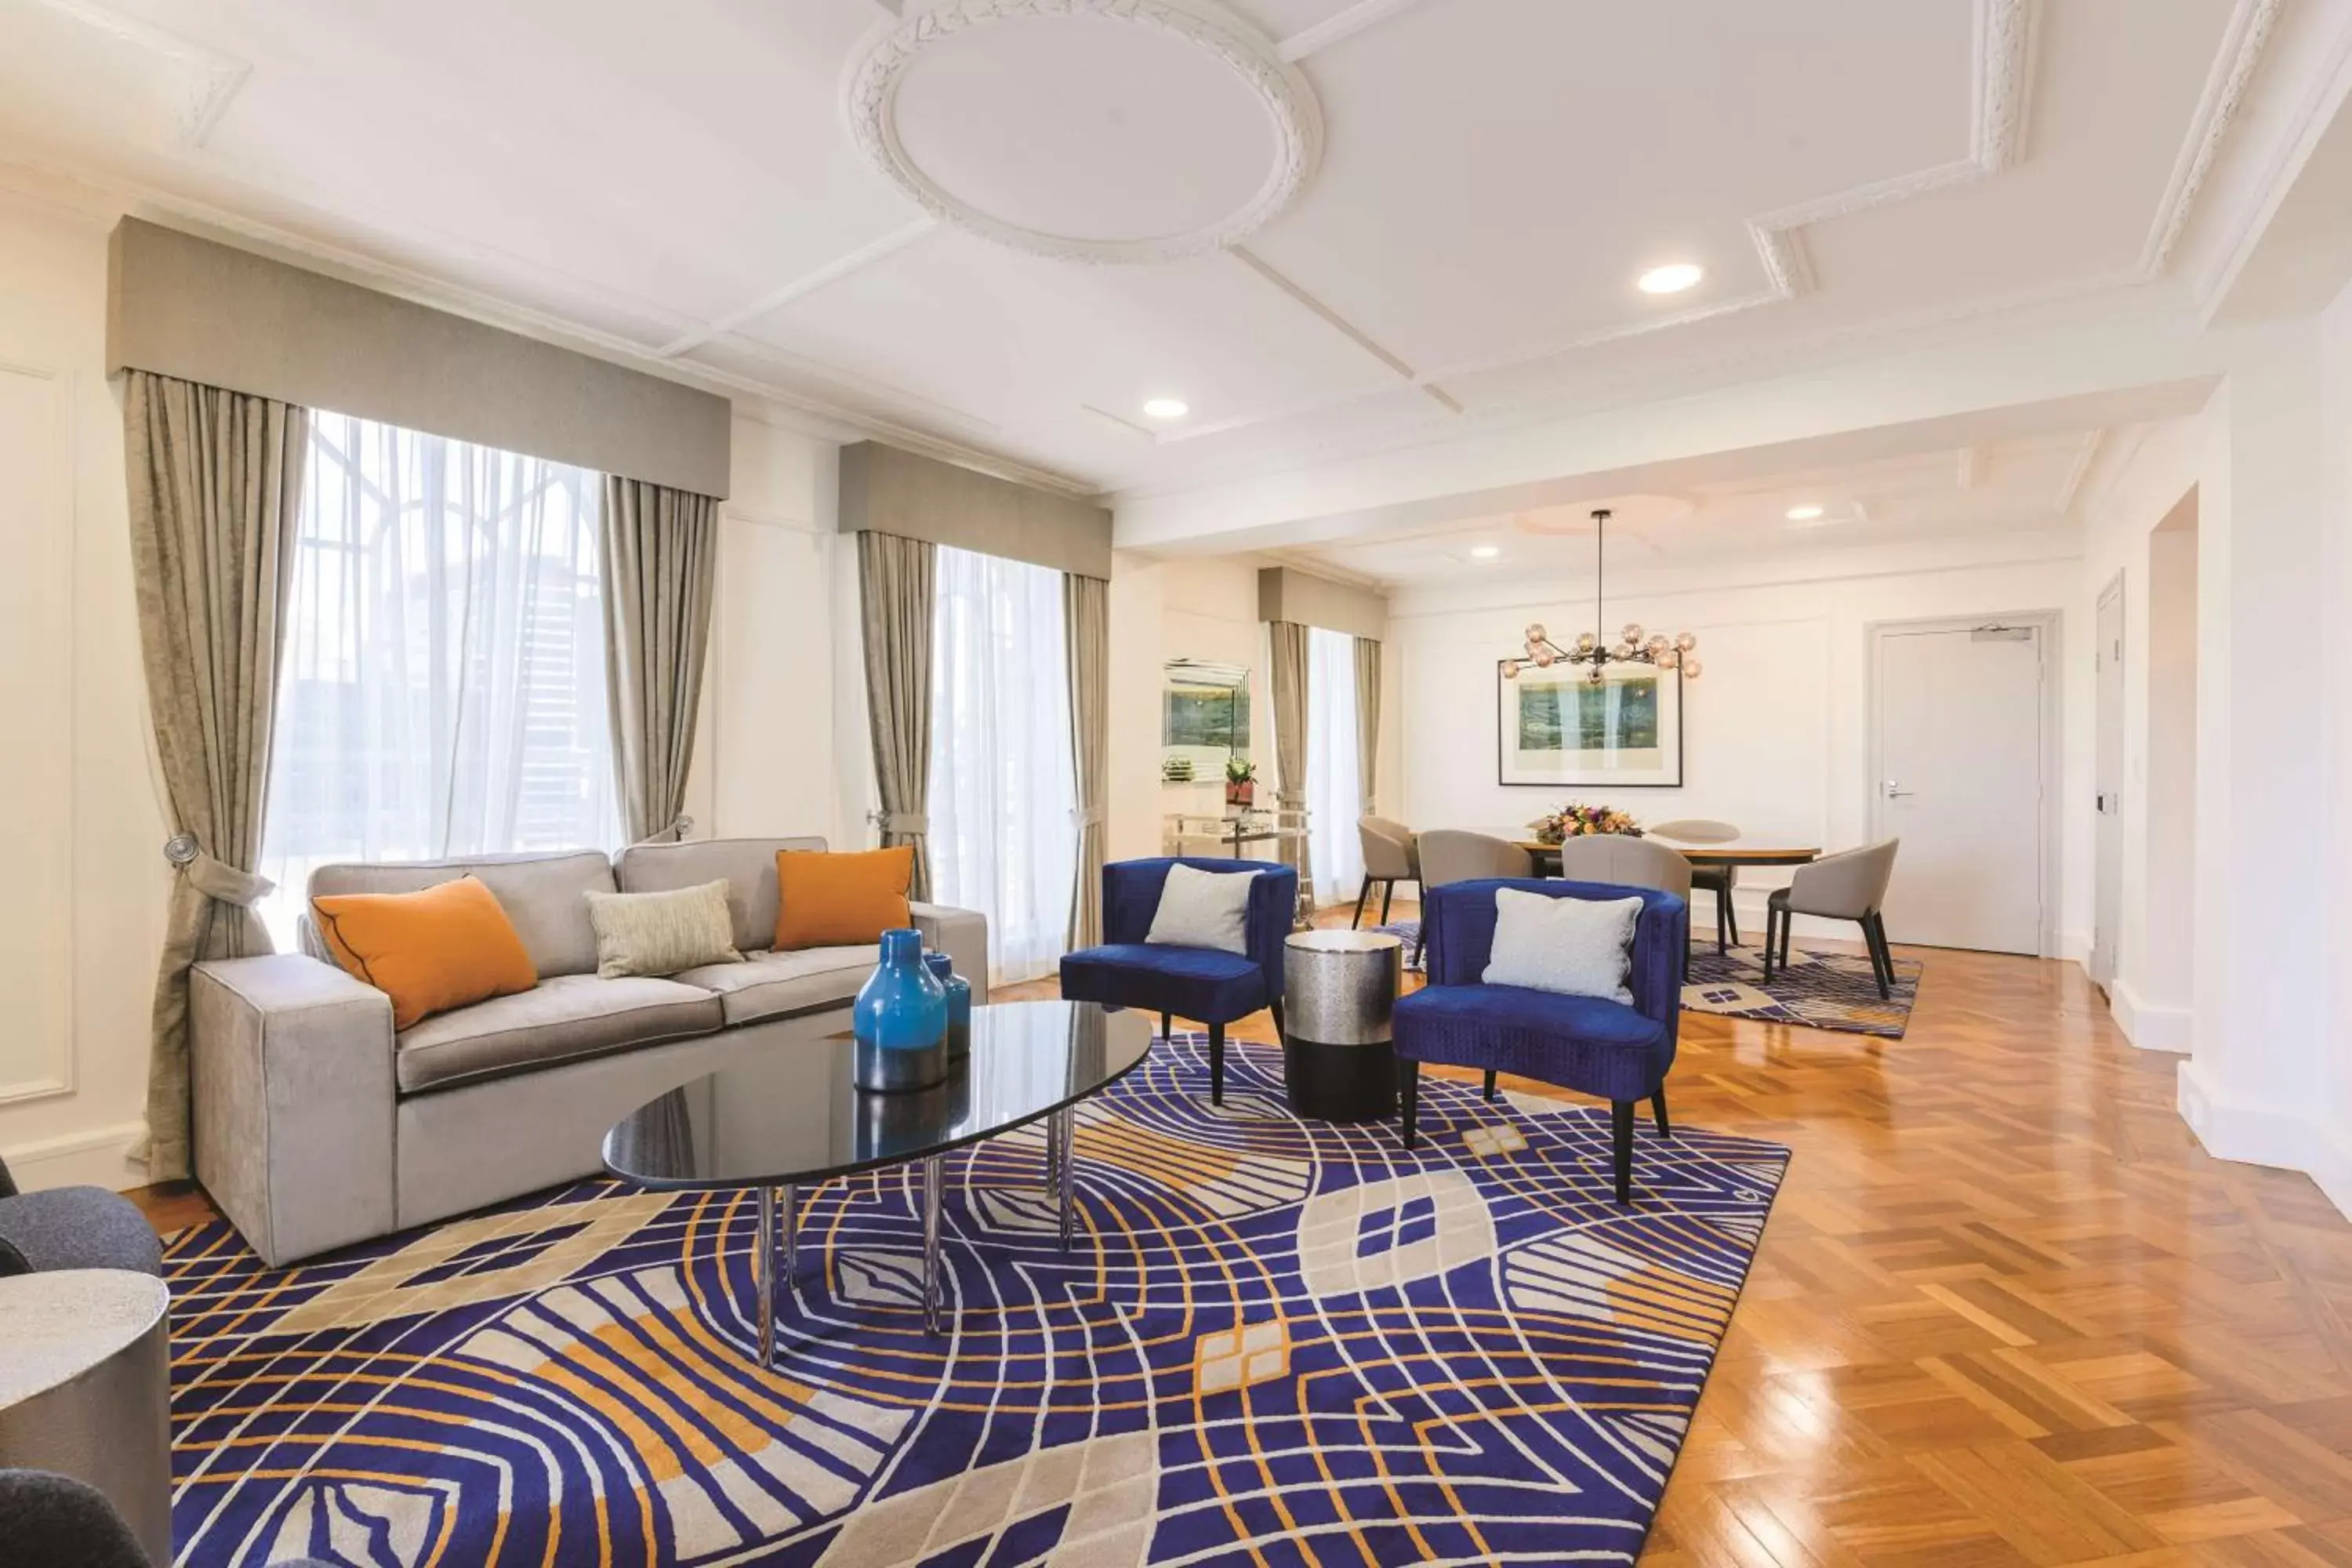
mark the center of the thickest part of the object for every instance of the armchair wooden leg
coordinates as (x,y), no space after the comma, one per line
(1658,1110)
(1621,1118)
(1281,1029)
(1490,1083)
(1167,1024)
(1388,897)
(1408,1096)
(1882,959)
(1722,922)
(1788,928)
(1771,926)
(1216,1064)
(1365,894)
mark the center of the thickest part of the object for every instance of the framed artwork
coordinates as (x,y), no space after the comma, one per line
(1560,727)
(1204,720)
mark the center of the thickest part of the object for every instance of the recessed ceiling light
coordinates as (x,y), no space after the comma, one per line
(1484,552)
(1166,408)
(1806,513)
(1671,279)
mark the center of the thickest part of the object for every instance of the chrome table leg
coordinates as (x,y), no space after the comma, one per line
(932,1183)
(1065,1136)
(792,1219)
(766,1274)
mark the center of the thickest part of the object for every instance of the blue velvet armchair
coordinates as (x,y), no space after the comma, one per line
(1589,1044)
(1199,983)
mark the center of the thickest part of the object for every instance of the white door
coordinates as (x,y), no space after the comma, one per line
(1960,757)
(2108,913)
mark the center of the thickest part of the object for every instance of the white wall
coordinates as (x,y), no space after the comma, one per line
(84,921)
(1775,731)
(766,748)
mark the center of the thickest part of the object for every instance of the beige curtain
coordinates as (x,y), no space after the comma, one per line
(1289,677)
(216,490)
(1368,720)
(661,563)
(897,583)
(1086,622)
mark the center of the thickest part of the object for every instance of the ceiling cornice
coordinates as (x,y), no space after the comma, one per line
(2248,33)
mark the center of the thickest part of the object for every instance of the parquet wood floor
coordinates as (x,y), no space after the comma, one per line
(2006,1311)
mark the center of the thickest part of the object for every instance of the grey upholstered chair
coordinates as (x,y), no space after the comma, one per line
(1628,862)
(1848,886)
(1454,855)
(1717,880)
(73,1227)
(1390,855)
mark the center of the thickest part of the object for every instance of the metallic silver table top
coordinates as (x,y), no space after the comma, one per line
(60,1324)
(1339,987)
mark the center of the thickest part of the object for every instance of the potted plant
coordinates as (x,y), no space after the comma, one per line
(1241,780)
(1576,819)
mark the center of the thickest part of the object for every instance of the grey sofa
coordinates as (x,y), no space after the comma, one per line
(316,1125)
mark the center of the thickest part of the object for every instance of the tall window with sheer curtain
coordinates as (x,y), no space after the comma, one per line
(1335,788)
(1003,797)
(442,685)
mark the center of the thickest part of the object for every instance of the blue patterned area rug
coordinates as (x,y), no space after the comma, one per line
(1817,990)
(1276,1340)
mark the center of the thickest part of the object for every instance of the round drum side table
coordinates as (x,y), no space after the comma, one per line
(85,1388)
(1339,989)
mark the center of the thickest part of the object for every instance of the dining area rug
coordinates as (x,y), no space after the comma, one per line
(1817,990)
(1274,1340)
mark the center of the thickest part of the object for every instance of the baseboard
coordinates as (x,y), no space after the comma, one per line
(2074,947)
(100,1157)
(2148,1025)
(2250,1135)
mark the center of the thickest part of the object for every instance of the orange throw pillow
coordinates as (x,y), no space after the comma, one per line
(442,947)
(825,900)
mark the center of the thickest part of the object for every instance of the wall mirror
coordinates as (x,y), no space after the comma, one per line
(1204,720)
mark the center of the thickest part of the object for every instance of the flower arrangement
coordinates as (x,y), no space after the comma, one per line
(1241,780)
(1576,820)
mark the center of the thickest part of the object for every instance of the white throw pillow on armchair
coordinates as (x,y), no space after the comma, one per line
(1204,908)
(1576,947)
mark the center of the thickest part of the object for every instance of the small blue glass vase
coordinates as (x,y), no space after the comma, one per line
(959,1002)
(900,1021)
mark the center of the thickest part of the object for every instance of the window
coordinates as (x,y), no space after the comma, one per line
(1004,794)
(1335,789)
(442,691)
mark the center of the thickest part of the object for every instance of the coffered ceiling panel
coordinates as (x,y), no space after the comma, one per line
(995,229)
(1037,342)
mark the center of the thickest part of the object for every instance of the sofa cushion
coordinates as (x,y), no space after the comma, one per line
(1584,1043)
(826,899)
(748,867)
(1193,982)
(540,894)
(777,984)
(567,1018)
(432,951)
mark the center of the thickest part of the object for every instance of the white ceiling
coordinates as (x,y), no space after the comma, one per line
(2014,487)
(1385,220)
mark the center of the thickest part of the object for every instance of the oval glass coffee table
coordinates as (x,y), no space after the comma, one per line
(785,1119)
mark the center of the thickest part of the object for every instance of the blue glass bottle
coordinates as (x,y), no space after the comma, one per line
(900,1020)
(959,1002)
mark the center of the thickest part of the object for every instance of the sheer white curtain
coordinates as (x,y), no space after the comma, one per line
(1335,793)
(443,689)
(1005,795)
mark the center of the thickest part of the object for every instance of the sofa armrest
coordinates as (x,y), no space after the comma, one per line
(291,1062)
(962,935)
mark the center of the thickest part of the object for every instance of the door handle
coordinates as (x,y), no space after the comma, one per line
(1895,793)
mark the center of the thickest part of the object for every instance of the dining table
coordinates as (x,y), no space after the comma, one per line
(1742,851)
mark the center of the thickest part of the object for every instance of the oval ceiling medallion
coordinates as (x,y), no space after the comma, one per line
(1087,129)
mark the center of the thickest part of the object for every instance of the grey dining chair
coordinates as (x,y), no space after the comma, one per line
(1390,855)
(1456,855)
(1717,880)
(1629,862)
(1847,886)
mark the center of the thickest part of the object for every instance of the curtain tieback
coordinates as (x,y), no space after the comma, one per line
(906,823)
(1290,800)
(216,879)
(1088,815)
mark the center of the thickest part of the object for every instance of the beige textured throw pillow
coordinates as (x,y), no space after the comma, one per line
(1204,908)
(1576,947)
(661,933)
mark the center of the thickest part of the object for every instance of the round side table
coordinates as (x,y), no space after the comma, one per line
(85,1388)
(1339,989)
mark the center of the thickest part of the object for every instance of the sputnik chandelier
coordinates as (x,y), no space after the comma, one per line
(1631,647)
